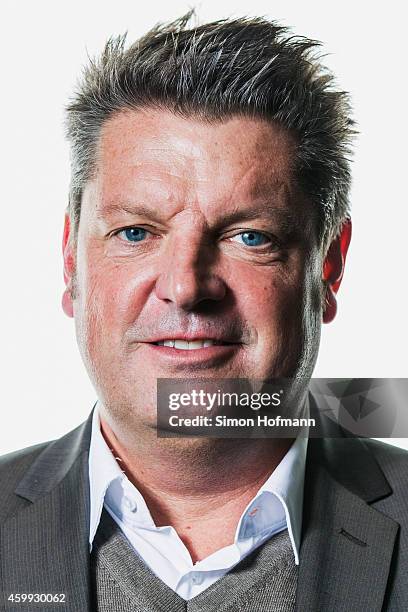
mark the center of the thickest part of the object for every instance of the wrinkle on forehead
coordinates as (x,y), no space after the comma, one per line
(179,162)
(162,132)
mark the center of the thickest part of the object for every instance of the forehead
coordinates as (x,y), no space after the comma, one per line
(149,153)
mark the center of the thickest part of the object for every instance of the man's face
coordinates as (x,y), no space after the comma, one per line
(194,231)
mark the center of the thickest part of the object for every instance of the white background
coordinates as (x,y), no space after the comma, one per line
(44,387)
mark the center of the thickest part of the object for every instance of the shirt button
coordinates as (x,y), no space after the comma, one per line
(130,504)
(197,579)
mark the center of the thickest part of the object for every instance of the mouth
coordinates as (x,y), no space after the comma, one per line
(191,345)
(196,352)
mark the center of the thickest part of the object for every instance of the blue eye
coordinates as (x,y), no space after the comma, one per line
(252,238)
(134,234)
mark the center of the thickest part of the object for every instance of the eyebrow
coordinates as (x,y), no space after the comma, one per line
(287,219)
(136,209)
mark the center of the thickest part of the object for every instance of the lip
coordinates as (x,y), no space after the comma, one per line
(192,338)
(204,355)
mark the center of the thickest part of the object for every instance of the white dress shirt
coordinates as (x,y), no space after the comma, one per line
(276,506)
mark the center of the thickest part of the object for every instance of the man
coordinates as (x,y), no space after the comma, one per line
(206,236)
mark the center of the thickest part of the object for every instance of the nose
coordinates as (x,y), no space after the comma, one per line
(187,277)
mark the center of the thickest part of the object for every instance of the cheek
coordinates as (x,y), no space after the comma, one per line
(271,301)
(110,298)
(284,309)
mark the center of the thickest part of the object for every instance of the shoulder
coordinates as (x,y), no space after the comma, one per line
(14,465)
(392,460)
(29,474)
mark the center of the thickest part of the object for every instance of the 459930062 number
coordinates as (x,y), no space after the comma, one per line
(37,598)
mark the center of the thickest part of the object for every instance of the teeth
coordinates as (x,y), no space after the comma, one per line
(196,344)
(187,346)
(181,344)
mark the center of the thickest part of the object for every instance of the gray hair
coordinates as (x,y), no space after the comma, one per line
(246,66)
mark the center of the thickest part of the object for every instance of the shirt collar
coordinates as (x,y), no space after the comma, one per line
(279,501)
(103,470)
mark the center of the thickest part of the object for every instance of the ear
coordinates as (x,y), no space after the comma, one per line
(333,270)
(69,268)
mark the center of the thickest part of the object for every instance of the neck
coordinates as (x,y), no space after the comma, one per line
(198,486)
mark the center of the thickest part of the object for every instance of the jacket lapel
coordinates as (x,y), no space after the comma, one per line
(347,544)
(45,545)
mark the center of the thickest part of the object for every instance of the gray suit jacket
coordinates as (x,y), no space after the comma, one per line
(354,552)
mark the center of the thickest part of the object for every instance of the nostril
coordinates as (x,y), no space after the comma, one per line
(189,290)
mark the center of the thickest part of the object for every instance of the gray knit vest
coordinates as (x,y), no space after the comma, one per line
(265,581)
